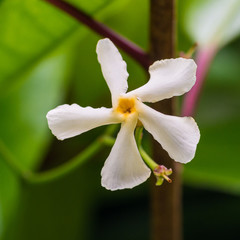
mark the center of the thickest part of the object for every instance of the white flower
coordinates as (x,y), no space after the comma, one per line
(124,167)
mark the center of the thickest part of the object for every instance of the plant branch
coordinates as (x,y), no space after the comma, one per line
(166,200)
(64,169)
(129,47)
(68,167)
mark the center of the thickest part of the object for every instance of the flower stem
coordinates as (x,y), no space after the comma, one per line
(129,47)
(203,60)
(62,170)
(68,167)
(139,135)
(147,159)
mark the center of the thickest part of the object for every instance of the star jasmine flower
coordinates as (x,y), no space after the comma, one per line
(124,167)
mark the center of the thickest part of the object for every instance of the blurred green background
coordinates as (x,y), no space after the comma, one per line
(47,59)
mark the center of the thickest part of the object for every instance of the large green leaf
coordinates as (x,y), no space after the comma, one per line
(23,127)
(211,22)
(23,124)
(216,164)
(215,22)
(61,210)
(38,48)
(30,29)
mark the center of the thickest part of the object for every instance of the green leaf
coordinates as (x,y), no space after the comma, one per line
(23,124)
(31,29)
(9,196)
(216,164)
(60,210)
(211,22)
(38,49)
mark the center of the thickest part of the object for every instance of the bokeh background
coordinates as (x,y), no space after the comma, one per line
(47,59)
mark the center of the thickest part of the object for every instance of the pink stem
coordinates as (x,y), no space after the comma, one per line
(129,47)
(203,60)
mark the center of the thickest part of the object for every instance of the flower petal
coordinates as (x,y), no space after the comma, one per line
(124,167)
(67,121)
(114,69)
(179,136)
(168,78)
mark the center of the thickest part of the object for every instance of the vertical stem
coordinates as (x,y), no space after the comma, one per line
(166,200)
(203,59)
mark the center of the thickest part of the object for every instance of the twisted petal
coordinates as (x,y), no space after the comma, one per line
(168,78)
(124,167)
(114,69)
(179,136)
(68,121)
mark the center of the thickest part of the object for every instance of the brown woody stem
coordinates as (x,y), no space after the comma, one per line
(166,200)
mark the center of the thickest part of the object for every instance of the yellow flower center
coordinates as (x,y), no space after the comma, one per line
(126,106)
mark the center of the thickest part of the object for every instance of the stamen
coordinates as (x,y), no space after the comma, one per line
(126,105)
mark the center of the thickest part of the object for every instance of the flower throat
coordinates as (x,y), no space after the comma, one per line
(126,105)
